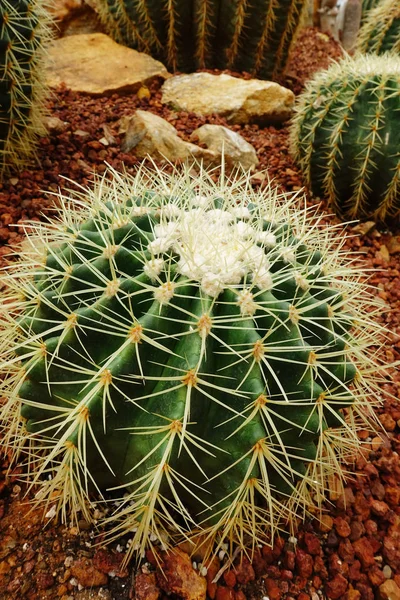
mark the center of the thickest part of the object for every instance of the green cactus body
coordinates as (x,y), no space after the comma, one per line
(24,32)
(240,35)
(380,31)
(368,5)
(192,342)
(345,139)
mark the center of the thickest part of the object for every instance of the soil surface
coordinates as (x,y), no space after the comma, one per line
(355,552)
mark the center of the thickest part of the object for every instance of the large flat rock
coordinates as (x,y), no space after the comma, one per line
(94,64)
(239,100)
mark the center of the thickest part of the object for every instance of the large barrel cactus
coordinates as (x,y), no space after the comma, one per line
(188,34)
(24,32)
(202,348)
(381,28)
(346,139)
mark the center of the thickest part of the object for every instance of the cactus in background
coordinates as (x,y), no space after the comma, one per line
(368,5)
(381,29)
(237,34)
(203,345)
(24,32)
(345,136)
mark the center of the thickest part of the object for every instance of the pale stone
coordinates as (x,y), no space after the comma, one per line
(150,135)
(239,100)
(350,26)
(222,140)
(54,124)
(94,64)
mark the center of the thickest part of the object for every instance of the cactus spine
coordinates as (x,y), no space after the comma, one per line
(381,29)
(203,345)
(238,34)
(24,32)
(345,138)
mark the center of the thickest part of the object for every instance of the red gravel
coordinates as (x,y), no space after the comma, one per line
(355,552)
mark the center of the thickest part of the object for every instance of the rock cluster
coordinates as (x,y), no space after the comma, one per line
(149,135)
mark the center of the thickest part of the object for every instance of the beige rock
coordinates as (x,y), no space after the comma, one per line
(60,9)
(94,64)
(177,576)
(239,100)
(394,244)
(54,124)
(150,135)
(364,228)
(389,590)
(73,17)
(220,140)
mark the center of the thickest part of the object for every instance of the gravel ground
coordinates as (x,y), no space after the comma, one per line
(355,552)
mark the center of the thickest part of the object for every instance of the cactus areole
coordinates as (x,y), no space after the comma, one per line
(200,348)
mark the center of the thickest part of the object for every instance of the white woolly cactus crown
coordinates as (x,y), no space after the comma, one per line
(203,347)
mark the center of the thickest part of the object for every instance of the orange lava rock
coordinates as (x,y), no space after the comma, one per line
(342,527)
(146,587)
(325,523)
(212,570)
(392,495)
(312,543)
(379,508)
(389,590)
(387,422)
(260,565)
(176,576)
(109,562)
(273,590)
(352,594)
(224,593)
(304,564)
(44,581)
(364,552)
(244,571)
(375,575)
(361,506)
(279,544)
(376,443)
(230,578)
(87,574)
(336,587)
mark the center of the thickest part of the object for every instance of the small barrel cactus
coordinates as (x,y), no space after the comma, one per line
(204,348)
(381,28)
(189,34)
(345,137)
(24,33)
